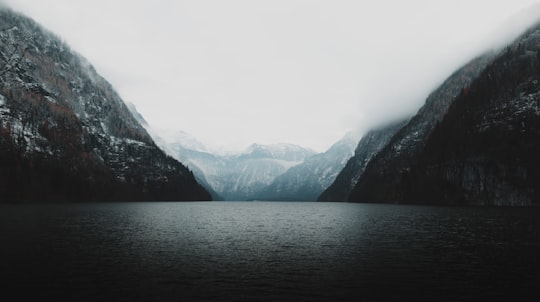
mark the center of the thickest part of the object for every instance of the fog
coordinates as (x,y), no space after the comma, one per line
(237,72)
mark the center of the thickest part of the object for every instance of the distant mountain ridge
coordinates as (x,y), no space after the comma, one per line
(287,152)
(306,181)
(284,172)
(237,176)
(66,135)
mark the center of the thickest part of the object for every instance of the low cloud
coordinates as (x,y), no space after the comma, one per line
(297,71)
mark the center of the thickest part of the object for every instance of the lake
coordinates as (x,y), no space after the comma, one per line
(268,251)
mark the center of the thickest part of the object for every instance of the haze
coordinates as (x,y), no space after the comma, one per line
(237,72)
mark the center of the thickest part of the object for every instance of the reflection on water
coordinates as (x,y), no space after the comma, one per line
(268,252)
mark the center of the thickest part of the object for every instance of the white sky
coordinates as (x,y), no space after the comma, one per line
(235,72)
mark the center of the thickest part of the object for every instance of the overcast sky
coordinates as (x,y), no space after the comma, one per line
(235,72)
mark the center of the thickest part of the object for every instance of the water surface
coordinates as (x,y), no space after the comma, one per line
(262,251)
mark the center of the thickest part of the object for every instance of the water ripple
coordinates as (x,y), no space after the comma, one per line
(269,252)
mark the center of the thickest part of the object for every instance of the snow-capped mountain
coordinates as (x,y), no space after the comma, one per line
(66,135)
(243,176)
(286,152)
(184,147)
(236,176)
(306,181)
(178,140)
(240,176)
(475,141)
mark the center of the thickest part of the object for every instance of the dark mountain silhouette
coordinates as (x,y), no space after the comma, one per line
(474,142)
(370,144)
(66,135)
(181,150)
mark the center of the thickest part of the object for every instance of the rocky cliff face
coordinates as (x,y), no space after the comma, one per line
(306,181)
(472,143)
(485,150)
(180,146)
(66,135)
(385,169)
(369,146)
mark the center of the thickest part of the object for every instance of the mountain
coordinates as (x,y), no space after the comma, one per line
(240,176)
(481,144)
(179,145)
(189,151)
(243,176)
(307,180)
(183,147)
(66,135)
(385,168)
(285,152)
(179,140)
(369,145)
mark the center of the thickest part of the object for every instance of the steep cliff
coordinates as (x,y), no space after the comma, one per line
(474,142)
(369,146)
(485,151)
(66,135)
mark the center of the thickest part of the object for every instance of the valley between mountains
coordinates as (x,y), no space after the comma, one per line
(66,135)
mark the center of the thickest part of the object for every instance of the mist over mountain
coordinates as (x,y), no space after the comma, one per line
(181,146)
(304,63)
(260,172)
(184,147)
(369,146)
(385,167)
(475,140)
(236,176)
(66,135)
(243,176)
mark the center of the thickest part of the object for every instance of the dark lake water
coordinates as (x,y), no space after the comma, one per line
(263,251)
